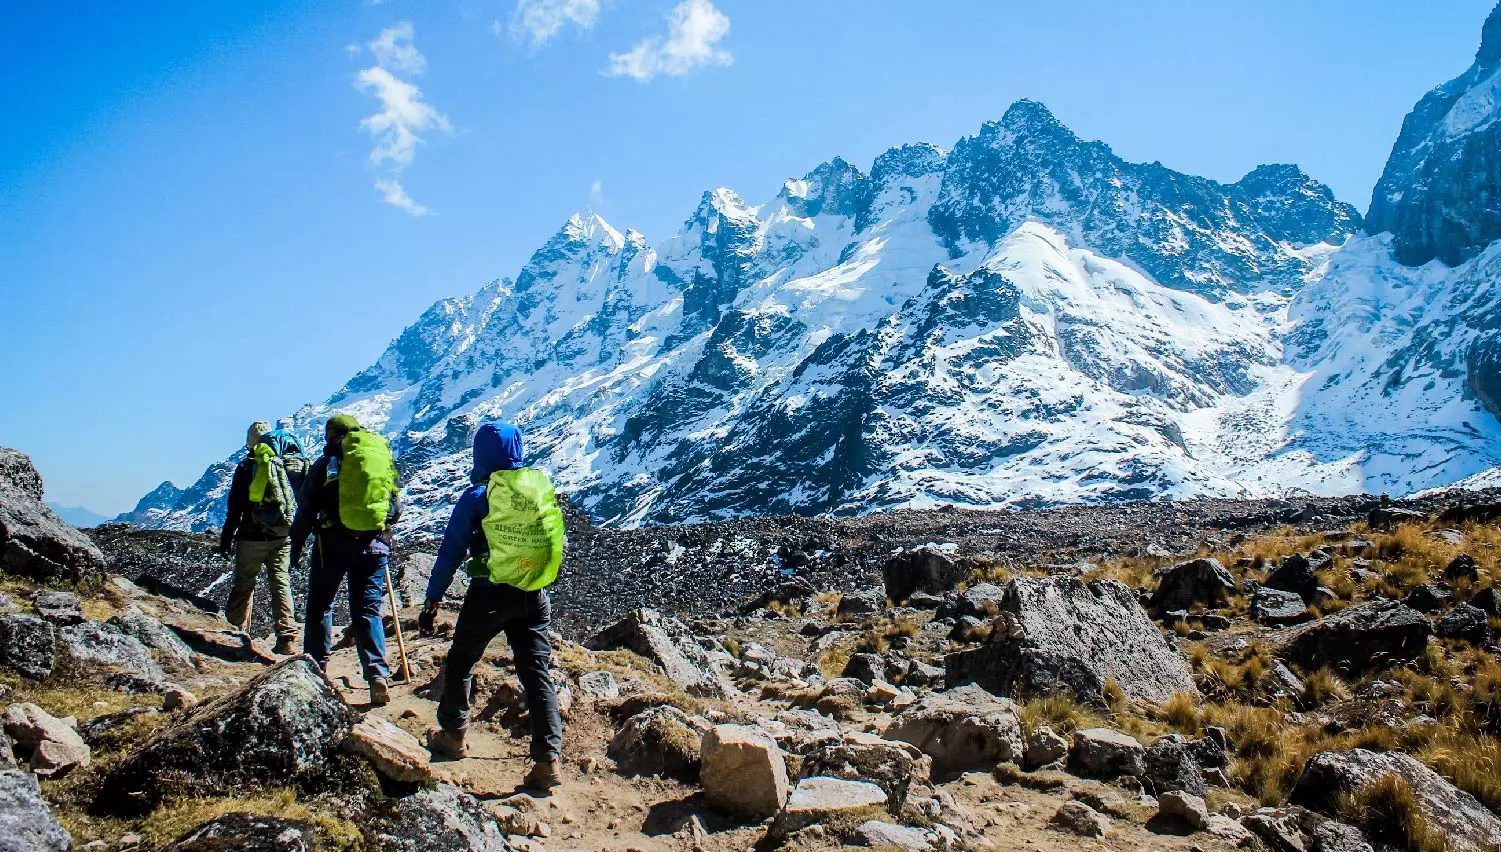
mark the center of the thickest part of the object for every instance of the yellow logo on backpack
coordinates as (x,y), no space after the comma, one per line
(524,529)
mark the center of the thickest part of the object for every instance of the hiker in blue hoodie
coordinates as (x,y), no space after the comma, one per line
(491,608)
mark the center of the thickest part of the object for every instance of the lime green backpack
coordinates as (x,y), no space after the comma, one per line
(524,529)
(367,479)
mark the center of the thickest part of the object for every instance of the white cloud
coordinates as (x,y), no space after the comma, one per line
(403,117)
(694,30)
(538,21)
(394,194)
(596,193)
(393,49)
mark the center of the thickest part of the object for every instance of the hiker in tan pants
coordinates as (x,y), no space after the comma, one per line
(255,533)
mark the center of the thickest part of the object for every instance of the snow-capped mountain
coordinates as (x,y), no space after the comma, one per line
(1023,319)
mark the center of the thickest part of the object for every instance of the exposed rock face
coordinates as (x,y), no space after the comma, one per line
(1437,195)
(1199,581)
(98,643)
(922,569)
(669,643)
(26,823)
(1104,753)
(894,766)
(1465,824)
(60,608)
(28,644)
(962,728)
(817,799)
(169,649)
(1066,634)
(34,541)
(391,751)
(248,833)
(441,819)
(281,728)
(1364,636)
(744,772)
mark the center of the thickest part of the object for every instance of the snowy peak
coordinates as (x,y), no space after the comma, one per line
(835,188)
(1293,207)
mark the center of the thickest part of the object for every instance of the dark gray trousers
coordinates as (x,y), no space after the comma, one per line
(524,618)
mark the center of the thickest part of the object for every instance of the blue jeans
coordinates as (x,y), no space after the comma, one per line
(367,599)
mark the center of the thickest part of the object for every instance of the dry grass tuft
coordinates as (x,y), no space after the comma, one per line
(1060,712)
(1388,811)
(1181,713)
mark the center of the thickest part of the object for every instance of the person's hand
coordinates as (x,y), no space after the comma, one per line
(427,620)
(226,549)
(296,558)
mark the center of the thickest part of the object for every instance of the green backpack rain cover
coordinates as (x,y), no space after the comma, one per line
(367,479)
(524,529)
(273,500)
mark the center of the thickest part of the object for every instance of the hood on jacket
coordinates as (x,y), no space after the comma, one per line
(497,446)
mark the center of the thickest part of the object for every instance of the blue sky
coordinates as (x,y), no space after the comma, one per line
(197,230)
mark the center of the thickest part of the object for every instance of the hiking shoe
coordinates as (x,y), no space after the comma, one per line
(544,776)
(285,646)
(380,695)
(447,744)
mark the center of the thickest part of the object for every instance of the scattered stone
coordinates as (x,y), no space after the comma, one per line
(392,752)
(895,767)
(170,650)
(55,746)
(1170,766)
(1199,581)
(28,645)
(1043,748)
(669,643)
(1277,607)
(1447,536)
(1188,807)
(1365,636)
(661,740)
(439,819)
(923,674)
(1079,818)
(877,834)
(743,771)
(1462,567)
(599,686)
(921,569)
(866,668)
(178,698)
(26,823)
(60,608)
(818,799)
(1283,681)
(247,832)
(1065,634)
(1387,517)
(1465,622)
(97,643)
(1488,600)
(982,600)
(1296,575)
(280,728)
(1457,816)
(963,728)
(228,645)
(34,541)
(1333,836)
(1280,830)
(1106,753)
(863,602)
(1230,830)
(1429,598)
(783,593)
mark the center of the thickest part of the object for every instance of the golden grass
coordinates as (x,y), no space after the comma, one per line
(1388,811)
(171,821)
(1060,712)
(1181,713)
(1322,687)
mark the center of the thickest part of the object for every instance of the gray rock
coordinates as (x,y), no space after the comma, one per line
(1279,830)
(1282,681)
(1296,575)
(878,834)
(1064,634)
(1278,607)
(599,686)
(818,799)
(60,608)
(440,819)
(921,569)
(1488,600)
(1170,766)
(923,674)
(864,602)
(660,740)
(247,833)
(284,727)
(895,767)
(1079,818)
(1105,753)
(1462,567)
(1465,824)
(54,745)
(1428,598)
(1188,807)
(28,645)
(1465,622)
(982,600)
(6,604)
(1044,747)
(743,772)
(26,823)
(797,588)
(34,541)
(961,729)
(1387,517)
(1361,637)
(867,668)
(98,643)
(1199,581)
(170,650)
(1332,836)
(667,642)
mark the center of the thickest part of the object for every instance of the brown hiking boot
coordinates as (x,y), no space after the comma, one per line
(380,695)
(544,776)
(285,646)
(447,744)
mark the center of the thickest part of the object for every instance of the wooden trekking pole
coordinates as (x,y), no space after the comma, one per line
(401,643)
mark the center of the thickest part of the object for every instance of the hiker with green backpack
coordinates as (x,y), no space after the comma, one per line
(262,503)
(507,531)
(348,504)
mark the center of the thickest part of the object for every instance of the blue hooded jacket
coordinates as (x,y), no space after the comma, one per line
(497,446)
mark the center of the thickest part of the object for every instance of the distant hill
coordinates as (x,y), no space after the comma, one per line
(78,516)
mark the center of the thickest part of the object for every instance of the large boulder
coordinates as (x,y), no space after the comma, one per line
(60,608)
(392,752)
(895,767)
(284,727)
(1279,607)
(961,729)
(1107,753)
(102,644)
(1170,765)
(1361,637)
(34,541)
(54,745)
(743,771)
(26,823)
(818,799)
(170,650)
(247,833)
(1296,575)
(921,569)
(28,645)
(1465,824)
(670,644)
(1066,635)
(660,740)
(439,819)
(1466,622)
(1198,581)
